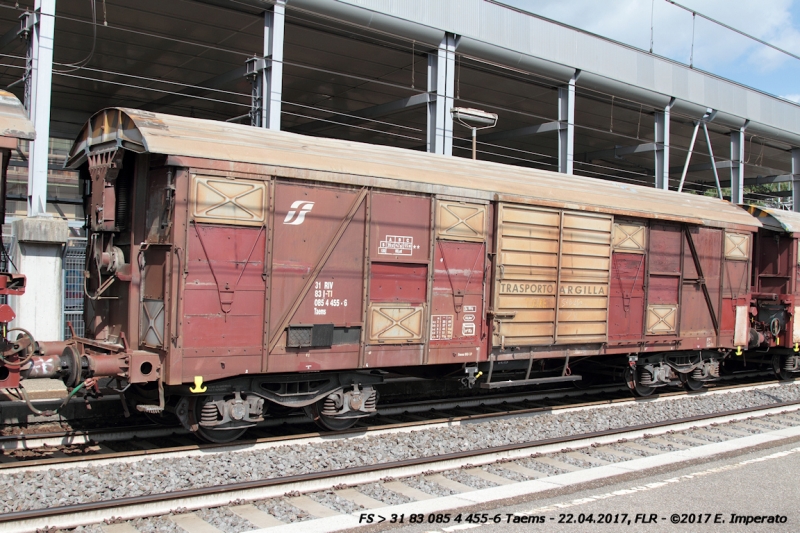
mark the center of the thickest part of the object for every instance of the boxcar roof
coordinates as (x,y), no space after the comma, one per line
(143,131)
(14,123)
(776,219)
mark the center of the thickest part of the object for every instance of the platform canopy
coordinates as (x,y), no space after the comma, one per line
(374,71)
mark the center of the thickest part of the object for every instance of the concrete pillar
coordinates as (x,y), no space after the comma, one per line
(38,251)
(796,180)
(566,132)
(737,165)
(441,87)
(662,149)
(37,101)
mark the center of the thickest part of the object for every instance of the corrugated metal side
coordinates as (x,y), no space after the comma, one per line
(553,276)
(584,276)
(527,277)
(171,135)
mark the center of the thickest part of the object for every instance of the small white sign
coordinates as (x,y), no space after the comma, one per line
(467,329)
(469,318)
(470,308)
(397,245)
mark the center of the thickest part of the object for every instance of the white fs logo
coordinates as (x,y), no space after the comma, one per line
(299,208)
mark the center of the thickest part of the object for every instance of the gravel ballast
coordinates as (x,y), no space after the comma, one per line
(25,490)
(379,492)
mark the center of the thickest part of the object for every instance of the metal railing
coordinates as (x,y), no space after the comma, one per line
(73,266)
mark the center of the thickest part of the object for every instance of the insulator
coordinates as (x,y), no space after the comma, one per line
(209,414)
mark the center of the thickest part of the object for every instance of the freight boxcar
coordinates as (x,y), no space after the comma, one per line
(775,325)
(231,269)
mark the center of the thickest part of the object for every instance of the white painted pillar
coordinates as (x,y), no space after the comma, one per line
(38,251)
(441,88)
(566,131)
(39,239)
(662,150)
(737,165)
(272,82)
(796,180)
(37,101)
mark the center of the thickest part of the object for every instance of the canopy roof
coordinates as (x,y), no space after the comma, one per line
(142,131)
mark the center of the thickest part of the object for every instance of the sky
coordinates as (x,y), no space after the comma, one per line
(716,49)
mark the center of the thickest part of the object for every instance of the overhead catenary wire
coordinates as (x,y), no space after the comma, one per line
(349,115)
(735,30)
(356,127)
(71,67)
(164,91)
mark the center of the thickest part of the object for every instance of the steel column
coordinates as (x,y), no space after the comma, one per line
(38,89)
(796,180)
(713,161)
(274,20)
(737,165)
(266,74)
(441,87)
(566,134)
(662,148)
(689,156)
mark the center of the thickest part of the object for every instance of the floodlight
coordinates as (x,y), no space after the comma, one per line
(474,119)
(476,116)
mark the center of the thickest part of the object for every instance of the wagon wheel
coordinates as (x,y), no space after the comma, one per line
(216,436)
(633,383)
(777,368)
(691,384)
(314,412)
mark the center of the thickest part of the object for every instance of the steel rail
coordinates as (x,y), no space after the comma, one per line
(22,463)
(390,409)
(272,482)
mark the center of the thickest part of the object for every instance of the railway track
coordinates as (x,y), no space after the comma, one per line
(617,445)
(148,439)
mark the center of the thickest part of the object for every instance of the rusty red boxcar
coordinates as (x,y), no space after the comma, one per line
(232,269)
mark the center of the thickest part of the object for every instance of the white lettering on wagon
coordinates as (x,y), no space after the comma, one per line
(397,245)
(323,298)
(441,327)
(297,212)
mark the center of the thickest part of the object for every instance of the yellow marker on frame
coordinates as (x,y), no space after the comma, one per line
(198,385)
